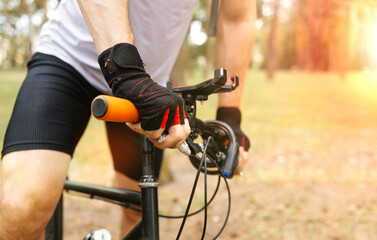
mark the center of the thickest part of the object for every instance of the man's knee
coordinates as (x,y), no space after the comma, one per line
(24,216)
(31,184)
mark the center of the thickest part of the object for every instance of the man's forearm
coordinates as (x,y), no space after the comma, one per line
(107,21)
(235,35)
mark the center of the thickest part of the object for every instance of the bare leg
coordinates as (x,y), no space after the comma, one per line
(30,186)
(129,217)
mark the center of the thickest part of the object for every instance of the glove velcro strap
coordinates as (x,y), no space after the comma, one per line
(121,59)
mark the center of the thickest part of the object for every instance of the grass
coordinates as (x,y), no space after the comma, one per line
(311,173)
(316,116)
(10,82)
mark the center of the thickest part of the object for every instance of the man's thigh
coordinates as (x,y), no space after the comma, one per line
(51,110)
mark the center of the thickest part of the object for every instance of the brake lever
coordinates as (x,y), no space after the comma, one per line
(231,161)
(188,147)
(185,149)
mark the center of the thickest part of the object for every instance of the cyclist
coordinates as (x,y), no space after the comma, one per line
(52,108)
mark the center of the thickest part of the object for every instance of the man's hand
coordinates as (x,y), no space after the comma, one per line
(232,116)
(243,158)
(159,107)
(177,134)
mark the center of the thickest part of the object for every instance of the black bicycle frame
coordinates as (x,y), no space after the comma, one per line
(148,185)
(148,227)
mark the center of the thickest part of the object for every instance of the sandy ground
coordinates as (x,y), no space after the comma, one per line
(282,195)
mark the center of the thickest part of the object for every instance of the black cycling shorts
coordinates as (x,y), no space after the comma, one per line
(52,110)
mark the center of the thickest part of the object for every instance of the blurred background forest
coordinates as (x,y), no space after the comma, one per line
(312,169)
(313,35)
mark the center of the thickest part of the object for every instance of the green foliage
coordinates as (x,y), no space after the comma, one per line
(10,82)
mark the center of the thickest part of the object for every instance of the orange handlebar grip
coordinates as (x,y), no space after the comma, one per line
(114,109)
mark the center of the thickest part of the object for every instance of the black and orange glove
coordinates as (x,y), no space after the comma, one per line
(124,71)
(232,116)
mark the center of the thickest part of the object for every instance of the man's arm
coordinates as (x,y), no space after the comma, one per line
(235,33)
(107,21)
(123,69)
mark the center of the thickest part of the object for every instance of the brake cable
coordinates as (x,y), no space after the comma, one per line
(229,202)
(194,188)
(205,195)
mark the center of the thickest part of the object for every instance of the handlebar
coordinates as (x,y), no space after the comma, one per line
(223,148)
(114,109)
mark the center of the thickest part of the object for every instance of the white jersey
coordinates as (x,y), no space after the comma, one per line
(159,28)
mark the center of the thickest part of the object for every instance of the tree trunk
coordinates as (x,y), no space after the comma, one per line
(271,58)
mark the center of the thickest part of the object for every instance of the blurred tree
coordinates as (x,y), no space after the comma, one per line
(315,35)
(276,31)
(329,31)
(20,22)
(272,41)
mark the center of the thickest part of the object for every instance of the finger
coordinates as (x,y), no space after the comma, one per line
(156,134)
(187,131)
(176,136)
(177,145)
(155,143)
(179,135)
(136,127)
(243,158)
(172,139)
(162,145)
(150,134)
(159,144)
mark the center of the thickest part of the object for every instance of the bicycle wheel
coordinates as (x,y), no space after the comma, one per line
(54,228)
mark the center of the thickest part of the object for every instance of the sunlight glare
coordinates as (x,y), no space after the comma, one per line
(372,44)
(364,84)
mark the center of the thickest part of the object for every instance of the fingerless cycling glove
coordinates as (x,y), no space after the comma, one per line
(232,116)
(124,71)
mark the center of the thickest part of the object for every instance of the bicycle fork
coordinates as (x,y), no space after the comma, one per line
(148,184)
